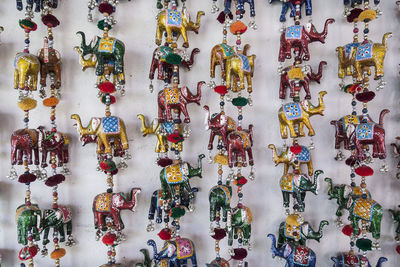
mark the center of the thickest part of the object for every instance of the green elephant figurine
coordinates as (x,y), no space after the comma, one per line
(57,219)
(297,185)
(27,218)
(219,197)
(239,222)
(396,218)
(176,176)
(147,261)
(294,230)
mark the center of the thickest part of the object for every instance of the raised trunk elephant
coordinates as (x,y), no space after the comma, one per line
(177,23)
(165,69)
(219,262)
(297,185)
(221,125)
(293,156)
(342,193)
(23,141)
(106,129)
(298,114)
(27,218)
(56,142)
(295,255)
(56,219)
(296,77)
(26,71)
(238,144)
(238,67)
(219,197)
(355,58)
(50,63)
(109,205)
(291,4)
(175,179)
(349,259)
(219,54)
(368,133)
(175,99)
(239,225)
(298,37)
(107,51)
(177,252)
(298,233)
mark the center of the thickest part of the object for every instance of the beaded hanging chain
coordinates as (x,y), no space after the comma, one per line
(293,115)
(357,131)
(234,145)
(106,55)
(176,196)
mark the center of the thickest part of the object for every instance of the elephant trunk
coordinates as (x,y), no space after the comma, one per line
(396,148)
(152,243)
(274,154)
(79,122)
(336,261)
(321,226)
(321,105)
(317,76)
(207,119)
(315,186)
(144,128)
(246,49)
(188,64)
(197,25)
(251,134)
(274,250)
(382,115)
(85,48)
(380,261)
(325,31)
(330,188)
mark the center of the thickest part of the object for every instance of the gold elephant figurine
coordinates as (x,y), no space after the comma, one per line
(106,129)
(355,58)
(178,23)
(238,67)
(26,71)
(298,114)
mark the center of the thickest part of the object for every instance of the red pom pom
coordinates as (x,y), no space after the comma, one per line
(240,254)
(107,87)
(221,17)
(219,234)
(165,234)
(175,138)
(347,230)
(398,249)
(351,161)
(104,166)
(221,89)
(164,162)
(364,171)
(295,149)
(109,239)
(27,178)
(27,253)
(354,13)
(55,180)
(106,8)
(50,21)
(365,96)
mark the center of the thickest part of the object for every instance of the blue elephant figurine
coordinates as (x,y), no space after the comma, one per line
(177,252)
(291,4)
(240,7)
(359,2)
(349,259)
(295,256)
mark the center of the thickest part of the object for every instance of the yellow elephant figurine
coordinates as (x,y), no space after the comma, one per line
(106,129)
(355,58)
(178,23)
(298,114)
(26,71)
(239,67)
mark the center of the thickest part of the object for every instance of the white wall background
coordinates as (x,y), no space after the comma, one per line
(136,27)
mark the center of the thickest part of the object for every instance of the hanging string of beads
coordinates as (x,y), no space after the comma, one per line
(293,115)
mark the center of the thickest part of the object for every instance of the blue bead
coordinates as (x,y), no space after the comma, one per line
(354,113)
(364,110)
(222,103)
(219,182)
(240,195)
(352,243)
(352,175)
(353,184)
(178,227)
(240,117)
(366,31)
(353,103)
(27,41)
(26,120)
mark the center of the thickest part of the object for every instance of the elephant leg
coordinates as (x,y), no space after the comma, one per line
(57,71)
(46,236)
(310,168)
(375,149)
(241,80)
(285,168)
(158,35)
(358,68)
(36,154)
(290,125)
(188,188)
(61,232)
(183,109)
(124,139)
(100,66)
(99,221)
(117,222)
(168,109)
(286,199)
(44,159)
(301,129)
(225,213)
(106,143)
(185,38)
(288,52)
(230,155)
(228,76)
(243,158)
(282,88)
(249,83)
(375,227)
(169,34)
(211,140)
(69,227)
(22,78)
(213,212)
(306,121)
(246,231)
(159,215)
(250,154)
(20,154)
(28,153)
(283,129)
(14,155)
(299,200)
(230,236)
(43,75)
(60,155)
(304,44)
(33,79)
(282,18)
(307,89)
(378,68)
(354,220)
(193,259)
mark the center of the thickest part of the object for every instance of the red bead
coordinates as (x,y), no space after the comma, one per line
(355,30)
(53,166)
(55,240)
(55,194)
(54,130)
(238,42)
(30,238)
(109,253)
(52,118)
(28,203)
(55,206)
(240,205)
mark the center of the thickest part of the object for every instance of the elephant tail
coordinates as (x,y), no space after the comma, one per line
(382,115)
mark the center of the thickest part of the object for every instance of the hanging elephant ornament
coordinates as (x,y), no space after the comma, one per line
(294,7)
(240,10)
(396,149)
(396,218)
(176,23)
(351,259)
(238,227)
(295,255)
(165,3)
(104,6)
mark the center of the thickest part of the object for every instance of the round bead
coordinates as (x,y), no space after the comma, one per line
(353,103)
(352,243)
(222,103)
(364,110)
(354,113)
(27,41)
(353,184)
(109,253)
(240,117)
(26,120)
(30,238)
(53,118)
(366,31)
(55,240)
(355,30)
(352,175)
(240,195)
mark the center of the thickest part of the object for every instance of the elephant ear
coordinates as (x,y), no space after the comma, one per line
(288,250)
(186,14)
(308,27)
(58,214)
(305,104)
(95,123)
(171,250)
(185,169)
(349,203)
(350,130)
(305,228)
(223,119)
(347,191)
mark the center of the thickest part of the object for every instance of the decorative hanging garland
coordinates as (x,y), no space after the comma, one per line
(42,142)
(106,55)
(294,231)
(357,133)
(176,196)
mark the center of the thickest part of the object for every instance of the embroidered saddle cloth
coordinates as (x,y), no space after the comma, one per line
(301,255)
(224,190)
(245,63)
(294,32)
(168,127)
(303,156)
(173,18)
(107,45)
(292,231)
(363,207)
(245,138)
(350,260)
(227,50)
(111,125)
(296,73)
(365,131)
(171,95)
(164,51)
(350,119)
(364,51)
(185,248)
(292,111)
(287,182)
(348,48)
(173,174)
(103,202)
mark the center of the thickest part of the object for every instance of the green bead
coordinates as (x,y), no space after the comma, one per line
(100,25)
(173,59)
(239,101)
(364,244)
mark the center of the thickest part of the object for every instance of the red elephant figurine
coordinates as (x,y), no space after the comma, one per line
(238,143)
(219,124)
(57,142)
(368,133)
(110,205)
(298,37)
(23,141)
(165,69)
(296,76)
(175,99)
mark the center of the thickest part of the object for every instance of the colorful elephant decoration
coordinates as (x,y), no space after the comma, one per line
(361,136)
